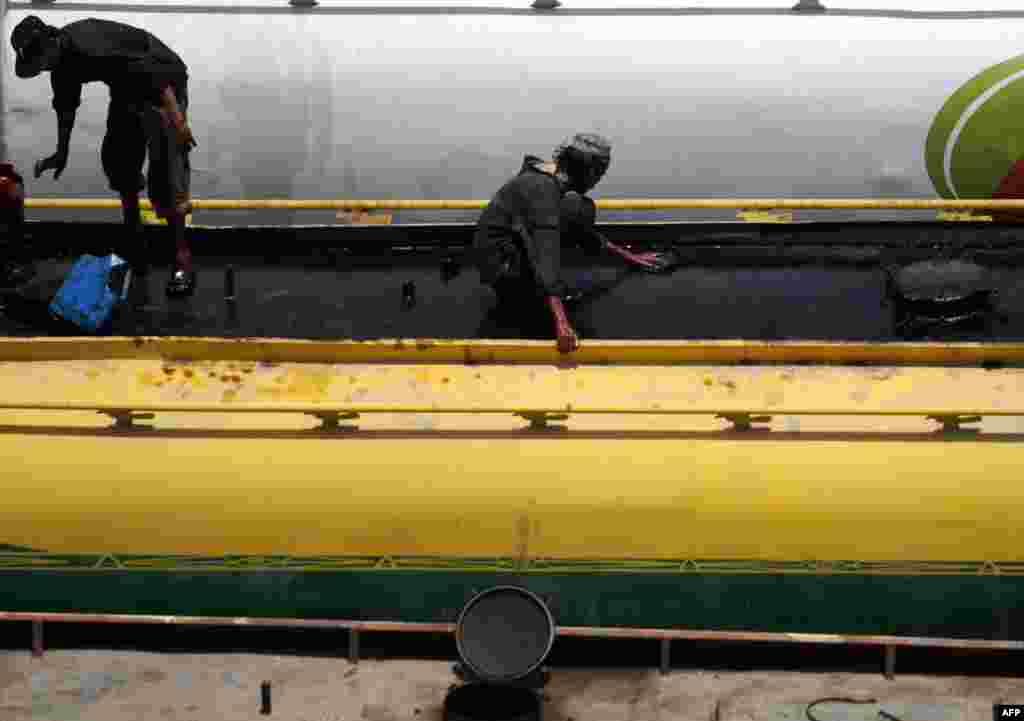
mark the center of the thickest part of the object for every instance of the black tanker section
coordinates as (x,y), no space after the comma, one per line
(772,281)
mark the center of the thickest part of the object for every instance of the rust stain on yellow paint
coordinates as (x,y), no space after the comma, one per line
(298,383)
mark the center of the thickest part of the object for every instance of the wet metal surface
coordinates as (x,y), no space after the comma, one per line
(366,302)
(941,280)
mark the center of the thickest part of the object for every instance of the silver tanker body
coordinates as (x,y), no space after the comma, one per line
(444,105)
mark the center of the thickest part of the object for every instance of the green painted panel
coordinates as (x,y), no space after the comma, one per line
(980,606)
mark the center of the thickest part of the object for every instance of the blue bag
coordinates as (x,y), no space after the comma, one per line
(85,298)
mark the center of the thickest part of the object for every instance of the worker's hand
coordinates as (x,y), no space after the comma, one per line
(56,162)
(653,262)
(566,336)
(184,131)
(175,120)
(185,136)
(568,341)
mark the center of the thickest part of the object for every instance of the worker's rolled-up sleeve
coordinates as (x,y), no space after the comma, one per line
(542,237)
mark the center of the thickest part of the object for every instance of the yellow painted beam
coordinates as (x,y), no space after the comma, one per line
(749,204)
(203,484)
(569,498)
(424,350)
(236,395)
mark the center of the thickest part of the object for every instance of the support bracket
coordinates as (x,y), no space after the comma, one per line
(539,421)
(331,420)
(744,421)
(952,423)
(37,639)
(353,646)
(125,420)
(809,6)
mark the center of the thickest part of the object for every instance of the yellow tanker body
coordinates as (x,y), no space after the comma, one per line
(642,484)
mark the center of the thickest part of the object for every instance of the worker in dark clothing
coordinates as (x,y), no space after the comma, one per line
(520,233)
(148,104)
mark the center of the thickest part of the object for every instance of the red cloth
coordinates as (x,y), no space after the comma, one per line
(7,171)
(1011,187)
(12,191)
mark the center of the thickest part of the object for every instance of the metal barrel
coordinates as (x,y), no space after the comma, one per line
(504,633)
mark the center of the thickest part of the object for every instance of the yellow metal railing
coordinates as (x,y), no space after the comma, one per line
(606,204)
(490,352)
(331,415)
(655,409)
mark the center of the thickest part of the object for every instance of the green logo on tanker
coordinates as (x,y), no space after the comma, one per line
(979,133)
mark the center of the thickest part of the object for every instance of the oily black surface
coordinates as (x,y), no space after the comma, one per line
(812,282)
(806,302)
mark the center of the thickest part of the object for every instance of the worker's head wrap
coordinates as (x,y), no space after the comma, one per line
(36,45)
(583,160)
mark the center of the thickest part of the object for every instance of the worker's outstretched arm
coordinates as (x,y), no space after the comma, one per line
(648,261)
(59,160)
(564,333)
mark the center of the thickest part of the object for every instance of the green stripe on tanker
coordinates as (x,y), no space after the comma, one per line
(981,125)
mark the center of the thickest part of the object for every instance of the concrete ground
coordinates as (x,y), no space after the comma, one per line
(118,686)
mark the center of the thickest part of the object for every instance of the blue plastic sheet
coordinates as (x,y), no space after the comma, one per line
(85,298)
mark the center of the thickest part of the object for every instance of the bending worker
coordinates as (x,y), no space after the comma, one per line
(518,238)
(148,104)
